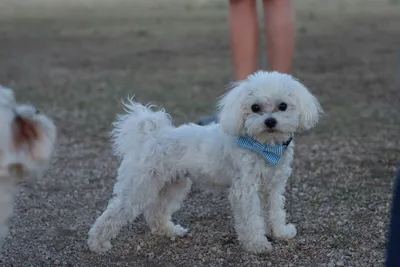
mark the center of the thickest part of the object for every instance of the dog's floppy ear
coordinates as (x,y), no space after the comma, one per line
(309,107)
(25,132)
(24,137)
(34,134)
(230,109)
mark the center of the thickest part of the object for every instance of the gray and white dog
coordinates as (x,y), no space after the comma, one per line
(27,139)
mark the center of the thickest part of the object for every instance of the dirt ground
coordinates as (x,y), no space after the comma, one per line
(77,60)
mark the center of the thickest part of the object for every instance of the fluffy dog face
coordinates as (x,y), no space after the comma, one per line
(268,106)
(26,138)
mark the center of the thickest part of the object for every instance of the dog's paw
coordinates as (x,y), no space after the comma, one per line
(97,246)
(285,232)
(170,230)
(178,230)
(259,245)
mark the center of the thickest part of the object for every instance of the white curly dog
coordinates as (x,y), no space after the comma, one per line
(249,153)
(27,139)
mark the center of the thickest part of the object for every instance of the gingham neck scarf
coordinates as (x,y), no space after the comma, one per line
(271,153)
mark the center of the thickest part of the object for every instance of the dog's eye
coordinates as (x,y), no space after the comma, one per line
(255,108)
(282,106)
(37,111)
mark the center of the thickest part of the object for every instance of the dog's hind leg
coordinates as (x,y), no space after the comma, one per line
(169,200)
(108,225)
(129,202)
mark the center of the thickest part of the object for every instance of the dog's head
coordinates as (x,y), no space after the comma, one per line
(27,137)
(268,106)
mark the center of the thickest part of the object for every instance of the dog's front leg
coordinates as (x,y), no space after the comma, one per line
(276,214)
(249,223)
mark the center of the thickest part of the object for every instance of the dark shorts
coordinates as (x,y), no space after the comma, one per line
(393,250)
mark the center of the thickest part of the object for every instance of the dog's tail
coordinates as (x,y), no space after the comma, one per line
(138,125)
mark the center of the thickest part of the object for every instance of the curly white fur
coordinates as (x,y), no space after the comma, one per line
(26,143)
(160,161)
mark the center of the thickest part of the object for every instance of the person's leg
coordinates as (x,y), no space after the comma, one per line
(280,26)
(245,38)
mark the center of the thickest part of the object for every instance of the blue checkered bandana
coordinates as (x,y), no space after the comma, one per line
(271,153)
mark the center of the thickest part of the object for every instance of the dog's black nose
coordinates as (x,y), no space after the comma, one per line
(270,122)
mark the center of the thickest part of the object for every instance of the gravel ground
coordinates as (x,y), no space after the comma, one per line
(76,60)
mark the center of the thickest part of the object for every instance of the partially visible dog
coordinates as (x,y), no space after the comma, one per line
(26,143)
(249,152)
